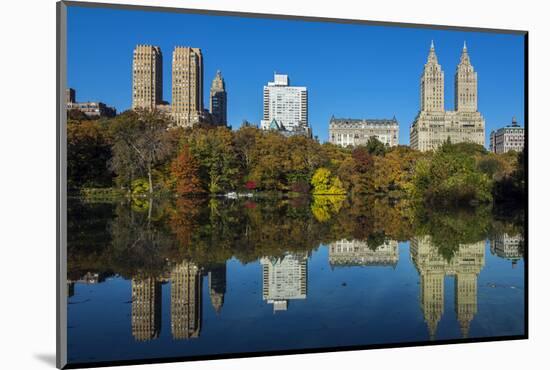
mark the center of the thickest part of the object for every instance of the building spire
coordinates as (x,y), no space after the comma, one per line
(464,58)
(432,58)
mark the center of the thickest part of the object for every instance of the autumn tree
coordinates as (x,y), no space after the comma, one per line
(271,162)
(245,141)
(88,155)
(325,184)
(185,173)
(140,144)
(363,166)
(215,151)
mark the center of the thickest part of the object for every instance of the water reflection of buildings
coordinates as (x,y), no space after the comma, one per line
(284,279)
(465,265)
(88,278)
(92,278)
(358,253)
(185,300)
(146,308)
(70,288)
(508,247)
(216,286)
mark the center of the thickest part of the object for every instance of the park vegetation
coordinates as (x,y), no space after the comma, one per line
(139,153)
(146,236)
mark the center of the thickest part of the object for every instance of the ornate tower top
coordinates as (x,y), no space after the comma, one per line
(465,58)
(465,84)
(218,100)
(218,82)
(432,84)
(432,57)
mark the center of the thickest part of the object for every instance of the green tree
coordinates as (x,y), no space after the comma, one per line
(375,146)
(450,176)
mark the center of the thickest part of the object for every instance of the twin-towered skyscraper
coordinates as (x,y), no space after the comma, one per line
(187,107)
(433,125)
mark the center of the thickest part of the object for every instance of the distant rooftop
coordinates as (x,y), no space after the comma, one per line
(279,80)
(368,121)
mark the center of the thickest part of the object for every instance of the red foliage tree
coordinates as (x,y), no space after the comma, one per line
(250,185)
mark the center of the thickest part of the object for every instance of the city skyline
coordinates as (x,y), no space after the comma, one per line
(317,63)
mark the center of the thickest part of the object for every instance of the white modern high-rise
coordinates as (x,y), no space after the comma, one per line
(286,105)
(284,279)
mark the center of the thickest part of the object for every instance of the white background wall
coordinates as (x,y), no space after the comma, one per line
(27,181)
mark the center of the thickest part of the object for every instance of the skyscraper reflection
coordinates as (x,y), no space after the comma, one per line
(146,308)
(284,279)
(185,300)
(216,286)
(465,265)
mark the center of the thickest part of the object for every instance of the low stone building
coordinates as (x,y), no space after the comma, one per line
(358,253)
(90,109)
(354,132)
(511,137)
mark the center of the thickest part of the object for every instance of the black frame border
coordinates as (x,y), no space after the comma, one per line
(61,192)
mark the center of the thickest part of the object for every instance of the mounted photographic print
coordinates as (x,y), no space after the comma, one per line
(235,184)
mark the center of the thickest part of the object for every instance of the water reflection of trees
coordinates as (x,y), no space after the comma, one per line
(182,241)
(146,240)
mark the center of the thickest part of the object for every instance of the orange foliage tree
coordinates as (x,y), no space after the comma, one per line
(185,172)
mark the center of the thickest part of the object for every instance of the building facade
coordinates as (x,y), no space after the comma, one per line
(218,100)
(70,96)
(90,109)
(358,253)
(354,132)
(433,125)
(217,286)
(185,300)
(146,308)
(465,265)
(284,279)
(511,137)
(93,109)
(508,246)
(286,104)
(283,130)
(146,77)
(187,86)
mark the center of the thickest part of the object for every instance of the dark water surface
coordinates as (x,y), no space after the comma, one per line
(199,277)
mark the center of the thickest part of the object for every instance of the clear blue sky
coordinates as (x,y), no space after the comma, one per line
(357,71)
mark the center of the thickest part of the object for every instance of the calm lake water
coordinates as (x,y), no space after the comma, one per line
(216,276)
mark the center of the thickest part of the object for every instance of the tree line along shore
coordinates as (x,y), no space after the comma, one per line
(139,153)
